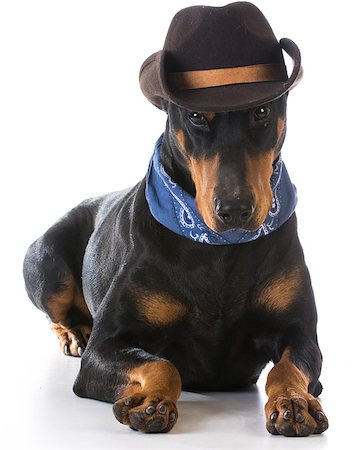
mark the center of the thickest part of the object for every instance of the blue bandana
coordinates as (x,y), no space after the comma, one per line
(175,209)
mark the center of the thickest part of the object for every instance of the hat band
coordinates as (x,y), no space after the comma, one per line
(199,79)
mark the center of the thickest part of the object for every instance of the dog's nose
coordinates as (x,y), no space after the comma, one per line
(233,210)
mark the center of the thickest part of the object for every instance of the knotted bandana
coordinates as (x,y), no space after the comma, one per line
(175,209)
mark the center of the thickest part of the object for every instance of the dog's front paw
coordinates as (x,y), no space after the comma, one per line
(150,414)
(295,415)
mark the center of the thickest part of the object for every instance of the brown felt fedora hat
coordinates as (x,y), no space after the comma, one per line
(220,59)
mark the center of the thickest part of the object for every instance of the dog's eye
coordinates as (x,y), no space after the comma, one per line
(262,112)
(197,119)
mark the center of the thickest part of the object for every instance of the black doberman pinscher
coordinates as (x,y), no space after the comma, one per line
(150,311)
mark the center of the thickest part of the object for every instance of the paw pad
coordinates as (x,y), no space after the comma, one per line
(146,413)
(299,415)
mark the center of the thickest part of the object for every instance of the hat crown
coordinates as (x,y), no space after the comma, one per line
(205,37)
(220,59)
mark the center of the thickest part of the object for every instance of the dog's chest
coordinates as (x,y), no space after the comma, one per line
(197,299)
(208,325)
(213,347)
(212,326)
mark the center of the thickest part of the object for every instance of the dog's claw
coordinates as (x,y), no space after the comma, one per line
(146,414)
(150,410)
(72,340)
(127,402)
(296,415)
(299,418)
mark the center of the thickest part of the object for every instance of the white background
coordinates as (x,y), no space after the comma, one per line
(74,124)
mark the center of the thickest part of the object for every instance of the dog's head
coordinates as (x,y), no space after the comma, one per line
(226,160)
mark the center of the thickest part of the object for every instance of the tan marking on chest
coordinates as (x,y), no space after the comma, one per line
(279,291)
(160,309)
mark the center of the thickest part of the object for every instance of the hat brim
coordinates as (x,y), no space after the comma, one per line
(232,97)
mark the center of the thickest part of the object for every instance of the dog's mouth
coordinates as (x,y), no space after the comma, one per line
(221,228)
(248,221)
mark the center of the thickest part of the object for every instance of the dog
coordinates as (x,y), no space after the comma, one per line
(194,278)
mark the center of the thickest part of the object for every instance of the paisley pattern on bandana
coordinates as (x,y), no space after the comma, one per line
(175,209)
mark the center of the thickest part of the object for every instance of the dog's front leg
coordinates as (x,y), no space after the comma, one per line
(291,410)
(143,387)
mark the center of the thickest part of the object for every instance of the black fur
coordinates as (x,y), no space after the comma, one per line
(114,248)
